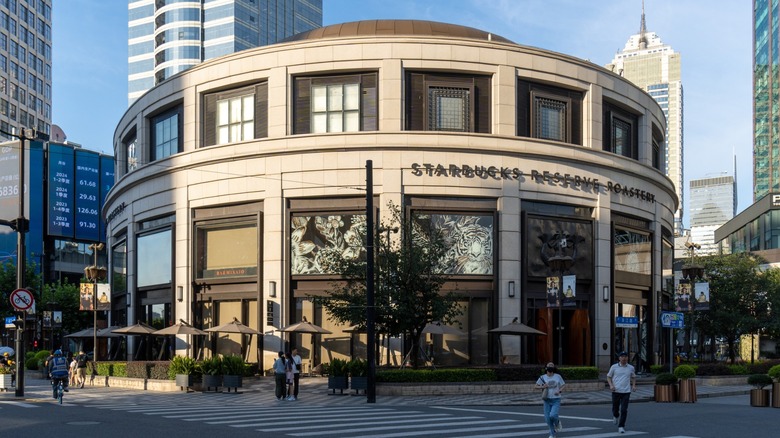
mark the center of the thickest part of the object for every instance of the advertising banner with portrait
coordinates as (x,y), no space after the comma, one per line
(86,291)
(682,297)
(569,290)
(702,294)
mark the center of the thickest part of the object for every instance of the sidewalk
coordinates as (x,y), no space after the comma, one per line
(314,391)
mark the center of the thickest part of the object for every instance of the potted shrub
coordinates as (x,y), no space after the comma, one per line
(665,388)
(774,373)
(211,369)
(759,395)
(687,391)
(338,375)
(233,368)
(182,368)
(358,372)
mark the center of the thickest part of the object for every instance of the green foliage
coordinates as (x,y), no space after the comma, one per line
(579,373)
(759,367)
(408,281)
(438,375)
(738,370)
(38,360)
(114,369)
(233,365)
(211,366)
(181,365)
(665,379)
(774,373)
(6,369)
(158,370)
(683,372)
(759,381)
(358,367)
(713,369)
(657,369)
(337,368)
(742,292)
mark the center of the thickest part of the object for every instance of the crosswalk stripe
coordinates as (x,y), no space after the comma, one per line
(544,431)
(285,421)
(364,431)
(20,404)
(414,422)
(183,413)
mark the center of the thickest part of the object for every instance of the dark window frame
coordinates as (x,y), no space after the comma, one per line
(527,94)
(613,115)
(157,119)
(369,93)
(210,103)
(417,93)
(435,124)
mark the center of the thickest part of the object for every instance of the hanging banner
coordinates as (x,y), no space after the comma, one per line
(702,294)
(682,297)
(553,286)
(103,296)
(85,296)
(569,290)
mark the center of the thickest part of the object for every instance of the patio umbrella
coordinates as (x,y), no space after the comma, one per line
(180,328)
(515,328)
(108,332)
(305,327)
(8,350)
(236,326)
(86,333)
(141,328)
(436,328)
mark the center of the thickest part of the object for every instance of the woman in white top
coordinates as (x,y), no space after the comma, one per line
(551,383)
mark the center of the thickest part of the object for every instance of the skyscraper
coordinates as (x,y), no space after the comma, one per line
(25,66)
(713,203)
(655,67)
(766,86)
(168,36)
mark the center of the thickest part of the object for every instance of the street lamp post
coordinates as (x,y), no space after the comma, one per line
(21,226)
(560,264)
(94,274)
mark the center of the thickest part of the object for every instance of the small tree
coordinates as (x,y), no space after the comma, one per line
(408,280)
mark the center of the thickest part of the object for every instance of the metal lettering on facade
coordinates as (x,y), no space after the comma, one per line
(542,177)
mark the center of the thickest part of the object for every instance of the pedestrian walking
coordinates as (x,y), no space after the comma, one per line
(551,383)
(289,376)
(81,368)
(279,376)
(622,381)
(72,372)
(297,373)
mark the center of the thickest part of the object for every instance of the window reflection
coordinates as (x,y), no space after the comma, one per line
(154,258)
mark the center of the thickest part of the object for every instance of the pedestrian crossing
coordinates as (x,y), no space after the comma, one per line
(356,421)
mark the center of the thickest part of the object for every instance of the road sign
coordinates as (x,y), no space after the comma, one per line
(9,322)
(626,321)
(22,299)
(672,320)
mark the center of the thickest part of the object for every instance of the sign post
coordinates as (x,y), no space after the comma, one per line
(672,320)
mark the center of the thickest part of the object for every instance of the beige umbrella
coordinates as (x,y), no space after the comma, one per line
(436,328)
(515,328)
(305,327)
(180,328)
(108,332)
(236,326)
(141,328)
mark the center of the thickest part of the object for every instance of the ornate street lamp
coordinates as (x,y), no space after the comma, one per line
(692,270)
(94,274)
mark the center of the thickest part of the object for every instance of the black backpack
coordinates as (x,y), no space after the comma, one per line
(81,361)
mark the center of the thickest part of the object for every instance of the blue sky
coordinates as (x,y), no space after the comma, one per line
(714,38)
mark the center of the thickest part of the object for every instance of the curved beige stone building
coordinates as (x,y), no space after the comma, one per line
(232,176)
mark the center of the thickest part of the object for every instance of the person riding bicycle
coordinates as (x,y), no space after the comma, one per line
(58,371)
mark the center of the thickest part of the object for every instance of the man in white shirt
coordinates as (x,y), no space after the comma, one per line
(622,381)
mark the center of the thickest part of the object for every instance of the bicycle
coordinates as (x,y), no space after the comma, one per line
(60,391)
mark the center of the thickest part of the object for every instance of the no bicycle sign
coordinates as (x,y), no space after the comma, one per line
(22,299)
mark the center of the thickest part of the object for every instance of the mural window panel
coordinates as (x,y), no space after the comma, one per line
(547,237)
(227,250)
(313,237)
(470,240)
(633,251)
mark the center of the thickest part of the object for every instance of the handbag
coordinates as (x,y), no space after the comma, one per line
(545,393)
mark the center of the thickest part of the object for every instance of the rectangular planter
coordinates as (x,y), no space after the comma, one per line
(232,382)
(359,384)
(210,382)
(5,382)
(338,382)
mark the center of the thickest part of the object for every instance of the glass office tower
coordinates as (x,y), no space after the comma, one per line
(166,37)
(25,66)
(713,203)
(766,88)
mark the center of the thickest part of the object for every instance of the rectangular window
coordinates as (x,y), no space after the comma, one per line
(155,254)
(166,134)
(131,154)
(449,109)
(335,108)
(447,102)
(620,133)
(549,113)
(469,237)
(236,115)
(313,237)
(227,250)
(335,104)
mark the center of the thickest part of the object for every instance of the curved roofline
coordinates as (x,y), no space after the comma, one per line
(396,27)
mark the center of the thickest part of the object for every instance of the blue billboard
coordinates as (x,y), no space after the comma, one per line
(61,190)
(106,183)
(87,185)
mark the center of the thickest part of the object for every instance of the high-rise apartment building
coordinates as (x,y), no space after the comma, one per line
(766,86)
(166,37)
(713,202)
(655,67)
(25,66)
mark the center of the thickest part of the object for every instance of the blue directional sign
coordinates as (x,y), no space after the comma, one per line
(672,320)
(9,322)
(626,321)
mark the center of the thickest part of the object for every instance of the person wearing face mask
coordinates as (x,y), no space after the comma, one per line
(551,384)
